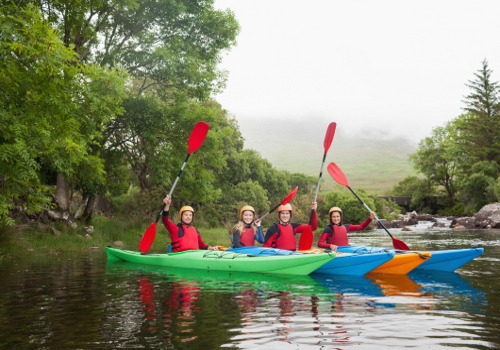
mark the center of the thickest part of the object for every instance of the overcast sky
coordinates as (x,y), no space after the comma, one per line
(381,67)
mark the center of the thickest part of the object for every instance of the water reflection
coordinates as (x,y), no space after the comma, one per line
(80,301)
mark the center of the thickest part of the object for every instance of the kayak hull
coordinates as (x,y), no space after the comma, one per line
(349,264)
(344,264)
(440,260)
(450,260)
(402,263)
(226,261)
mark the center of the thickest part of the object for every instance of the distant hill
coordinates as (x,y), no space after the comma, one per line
(372,164)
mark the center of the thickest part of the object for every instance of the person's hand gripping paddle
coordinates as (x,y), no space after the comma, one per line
(195,141)
(341,179)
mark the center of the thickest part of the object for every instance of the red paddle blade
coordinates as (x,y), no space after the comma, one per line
(148,238)
(290,196)
(337,174)
(306,240)
(330,132)
(197,136)
(398,244)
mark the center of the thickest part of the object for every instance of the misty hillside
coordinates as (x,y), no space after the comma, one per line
(373,164)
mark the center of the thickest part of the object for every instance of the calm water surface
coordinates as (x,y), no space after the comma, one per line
(83,302)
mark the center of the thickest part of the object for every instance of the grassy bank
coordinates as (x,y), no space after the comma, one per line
(22,241)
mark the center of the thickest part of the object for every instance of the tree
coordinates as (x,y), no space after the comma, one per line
(164,44)
(479,128)
(478,188)
(420,190)
(438,159)
(51,115)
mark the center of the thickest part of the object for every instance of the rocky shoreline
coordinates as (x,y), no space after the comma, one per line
(486,218)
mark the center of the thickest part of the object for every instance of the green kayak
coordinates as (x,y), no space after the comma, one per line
(302,264)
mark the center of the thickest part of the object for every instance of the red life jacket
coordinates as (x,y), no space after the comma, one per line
(247,236)
(285,238)
(339,237)
(188,238)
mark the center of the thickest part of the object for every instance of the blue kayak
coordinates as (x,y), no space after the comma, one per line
(440,260)
(345,264)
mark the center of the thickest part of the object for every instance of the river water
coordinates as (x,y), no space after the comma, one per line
(80,301)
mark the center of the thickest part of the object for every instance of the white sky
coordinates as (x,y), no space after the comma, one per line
(386,67)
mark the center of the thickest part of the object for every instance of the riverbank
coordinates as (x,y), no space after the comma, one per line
(26,240)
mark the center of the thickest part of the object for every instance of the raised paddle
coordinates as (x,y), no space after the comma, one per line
(341,179)
(330,132)
(195,141)
(306,238)
(285,200)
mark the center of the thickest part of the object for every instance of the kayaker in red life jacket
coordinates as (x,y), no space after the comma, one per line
(247,230)
(335,234)
(282,235)
(183,236)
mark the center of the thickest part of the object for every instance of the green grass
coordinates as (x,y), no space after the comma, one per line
(372,164)
(25,242)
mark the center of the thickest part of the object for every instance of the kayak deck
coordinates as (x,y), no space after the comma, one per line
(402,263)
(440,260)
(351,264)
(301,264)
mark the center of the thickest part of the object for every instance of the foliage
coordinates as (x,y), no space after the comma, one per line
(478,189)
(387,209)
(52,111)
(420,190)
(438,159)
(353,211)
(479,129)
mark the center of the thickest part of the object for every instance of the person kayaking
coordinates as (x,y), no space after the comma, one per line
(247,230)
(281,235)
(183,236)
(335,234)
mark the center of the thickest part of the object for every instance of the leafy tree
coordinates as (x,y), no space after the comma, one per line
(478,189)
(438,159)
(352,210)
(163,43)
(52,112)
(420,190)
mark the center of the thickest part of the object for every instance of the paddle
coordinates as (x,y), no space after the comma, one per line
(340,178)
(195,141)
(306,238)
(287,199)
(330,132)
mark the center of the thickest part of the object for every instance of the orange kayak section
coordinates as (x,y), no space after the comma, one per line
(402,263)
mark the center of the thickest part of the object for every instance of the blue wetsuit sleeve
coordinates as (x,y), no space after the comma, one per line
(259,235)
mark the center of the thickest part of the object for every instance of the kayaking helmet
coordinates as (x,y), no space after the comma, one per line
(333,209)
(185,208)
(245,208)
(284,207)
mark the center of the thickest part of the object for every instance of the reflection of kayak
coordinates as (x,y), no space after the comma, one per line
(371,285)
(393,285)
(300,264)
(441,260)
(348,264)
(225,281)
(452,288)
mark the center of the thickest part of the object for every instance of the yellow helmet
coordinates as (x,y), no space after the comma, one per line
(332,209)
(245,208)
(284,207)
(185,208)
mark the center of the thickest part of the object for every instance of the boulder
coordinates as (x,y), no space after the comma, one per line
(467,222)
(488,216)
